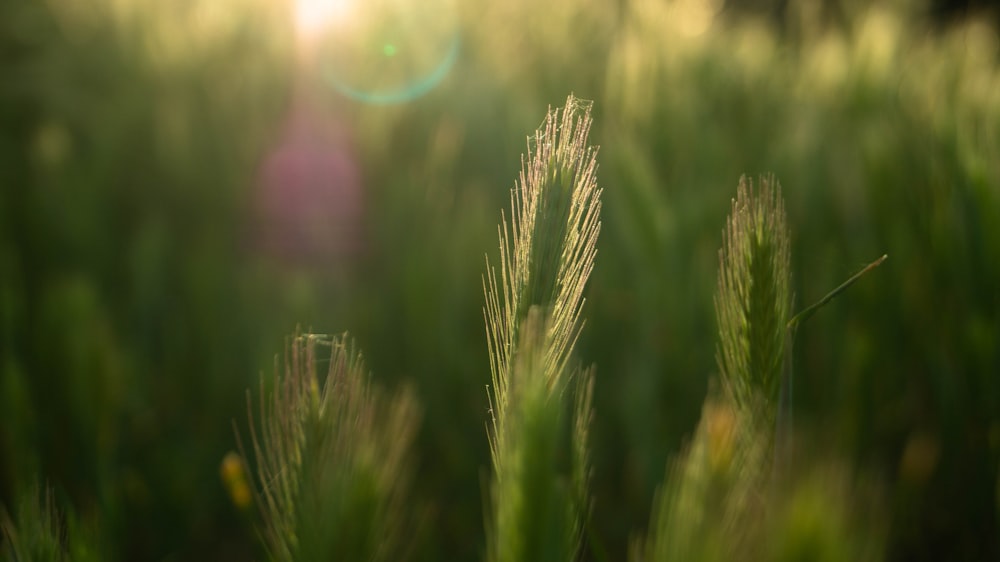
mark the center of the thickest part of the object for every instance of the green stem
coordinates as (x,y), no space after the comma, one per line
(808,312)
(784,418)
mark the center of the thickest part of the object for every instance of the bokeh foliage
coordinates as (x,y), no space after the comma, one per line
(137,306)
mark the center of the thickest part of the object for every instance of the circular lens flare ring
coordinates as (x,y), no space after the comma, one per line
(379,51)
(386,94)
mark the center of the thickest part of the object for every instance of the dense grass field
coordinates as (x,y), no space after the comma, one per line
(186,185)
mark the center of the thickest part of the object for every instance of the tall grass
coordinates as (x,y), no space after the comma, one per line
(538,431)
(40,536)
(331,457)
(734,494)
(754,296)
(134,302)
(39,531)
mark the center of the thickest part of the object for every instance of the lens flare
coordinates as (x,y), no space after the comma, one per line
(313,17)
(310,201)
(381,51)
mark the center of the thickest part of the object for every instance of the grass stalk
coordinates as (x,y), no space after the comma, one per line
(805,314)
(711,506)
(39,535)
(754,296)
(785,416)
(540,401)
(707,508)
(331,457)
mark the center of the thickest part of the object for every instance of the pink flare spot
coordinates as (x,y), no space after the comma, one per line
(310,202)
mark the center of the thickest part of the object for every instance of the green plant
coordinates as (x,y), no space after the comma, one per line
(39,535)
(135,300)
(331,458)
(721,500)
(41,532)
(539,498)
(709,506)
(754,297)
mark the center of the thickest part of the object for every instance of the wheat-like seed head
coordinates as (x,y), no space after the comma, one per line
(533,317)
(331,457)
(754,295)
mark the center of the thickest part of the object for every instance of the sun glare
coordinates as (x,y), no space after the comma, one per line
(378,51)
(313,17)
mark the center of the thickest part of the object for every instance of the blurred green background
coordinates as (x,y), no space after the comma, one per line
(182,184)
